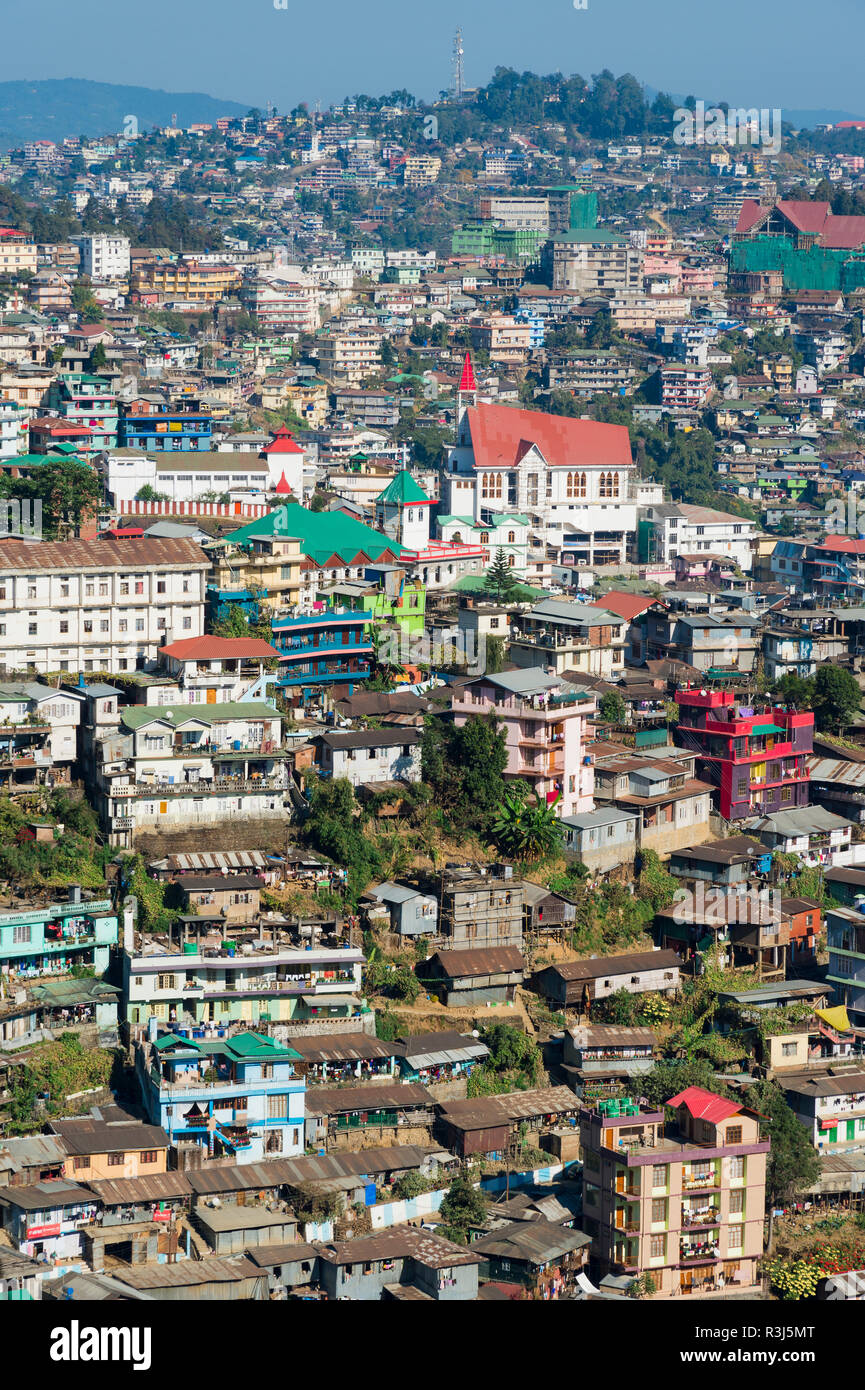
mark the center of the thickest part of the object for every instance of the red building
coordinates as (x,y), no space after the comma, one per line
(755,757)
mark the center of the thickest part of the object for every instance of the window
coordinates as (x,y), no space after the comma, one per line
(737,1201)
(31,629)
(659,1175)
(116,1160)
(277,1107)
(160,586)
(20,936)
(734,1134)
(735,1237)
(657,1247)
(788,1049)
(64,624)
(149,1156)
(81,1161)
(659,1209)
(737,1167)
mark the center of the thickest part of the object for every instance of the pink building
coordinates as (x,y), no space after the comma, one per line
(546,722)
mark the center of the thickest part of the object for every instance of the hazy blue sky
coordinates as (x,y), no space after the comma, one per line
(787,53)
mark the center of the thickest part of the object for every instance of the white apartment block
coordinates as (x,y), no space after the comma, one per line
(204,764)
(681,528)
(104,257)
(595,262)
(13,429)
(97,605)
(368,260)
(282,304)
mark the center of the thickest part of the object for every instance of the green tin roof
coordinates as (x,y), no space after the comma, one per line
(136,716)
(321,534)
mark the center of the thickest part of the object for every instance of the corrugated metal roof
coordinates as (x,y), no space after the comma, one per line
(493,960)
(492,1111)
(230,1269)
(535,1241)
(156,1187)
(849,774)
(31,1151)
(352,1047)
(223,859)
(399,1096)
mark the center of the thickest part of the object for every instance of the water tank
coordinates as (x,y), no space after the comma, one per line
(190,948)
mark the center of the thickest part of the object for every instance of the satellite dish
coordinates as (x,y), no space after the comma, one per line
(475,1033)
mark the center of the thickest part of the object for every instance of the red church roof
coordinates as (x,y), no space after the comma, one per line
(703,1105)
(500,435)
(467,380)
(283,485)
(283,442)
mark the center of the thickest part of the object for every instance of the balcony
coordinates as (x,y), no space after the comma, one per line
(697,1219)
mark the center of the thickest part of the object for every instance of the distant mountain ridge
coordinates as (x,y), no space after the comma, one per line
(69,106)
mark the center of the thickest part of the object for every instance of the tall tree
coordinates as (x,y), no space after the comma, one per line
(500,579)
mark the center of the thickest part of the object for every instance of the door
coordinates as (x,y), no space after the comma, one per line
(211,697)
(851,1130)
(686,1280)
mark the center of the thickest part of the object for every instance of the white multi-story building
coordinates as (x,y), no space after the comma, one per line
(283,302)
(167,767)
(680,528)
(104,257)
(13,429)
(189,477)
(368,260)
(104,605)
(574,479)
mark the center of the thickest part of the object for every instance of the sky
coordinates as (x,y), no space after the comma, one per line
(775,53)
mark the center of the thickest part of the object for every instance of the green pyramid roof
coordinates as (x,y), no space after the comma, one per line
(402,491)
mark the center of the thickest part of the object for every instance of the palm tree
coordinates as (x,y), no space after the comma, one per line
(526,830)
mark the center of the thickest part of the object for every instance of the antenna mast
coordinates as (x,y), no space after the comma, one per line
(458,65)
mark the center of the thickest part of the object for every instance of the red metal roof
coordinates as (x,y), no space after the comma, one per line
(807,216)
(628,606)
(215,648)
(703,1105)
(751,213)
(499,434)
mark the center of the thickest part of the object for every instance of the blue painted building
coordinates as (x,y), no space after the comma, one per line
(239,1096)
(149,425)
(221,601)
(323,649)
(50,940)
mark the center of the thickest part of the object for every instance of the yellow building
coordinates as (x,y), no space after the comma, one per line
(110,1143)
(187,280)
(269,562)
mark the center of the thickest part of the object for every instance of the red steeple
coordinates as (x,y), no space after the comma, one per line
(283,485)
(467,380)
